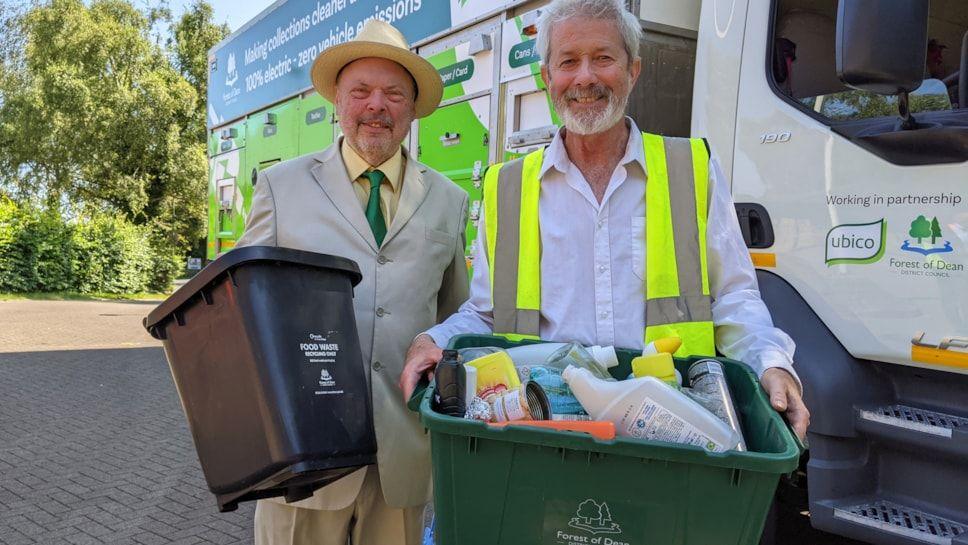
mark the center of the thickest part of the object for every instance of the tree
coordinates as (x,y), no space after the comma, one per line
(920,228)
(589,511)
(935,230)
(93,116)
(194,35)
(606,515)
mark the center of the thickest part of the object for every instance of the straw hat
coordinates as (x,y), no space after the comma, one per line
(379,39)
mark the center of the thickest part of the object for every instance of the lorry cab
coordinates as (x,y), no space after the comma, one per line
(858,226)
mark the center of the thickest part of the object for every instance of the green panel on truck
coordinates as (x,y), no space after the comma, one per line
(455,139)
(315,123)
(271,136)
(225,218)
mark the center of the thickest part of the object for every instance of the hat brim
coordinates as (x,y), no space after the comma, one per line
(328,64)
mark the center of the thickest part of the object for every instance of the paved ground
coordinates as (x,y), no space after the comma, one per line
(94,447)
(27,326)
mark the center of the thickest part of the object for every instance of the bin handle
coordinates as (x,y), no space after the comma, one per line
(418,394)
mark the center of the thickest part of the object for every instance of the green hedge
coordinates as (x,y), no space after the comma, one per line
(42,252)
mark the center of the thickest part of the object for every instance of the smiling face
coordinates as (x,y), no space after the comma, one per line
(589,74)
(375,105)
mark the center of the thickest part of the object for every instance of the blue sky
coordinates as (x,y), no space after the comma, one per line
(234,12)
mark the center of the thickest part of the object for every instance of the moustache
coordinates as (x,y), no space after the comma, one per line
(595,91)
(385,121)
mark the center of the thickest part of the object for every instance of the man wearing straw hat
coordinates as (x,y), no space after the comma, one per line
(366,198)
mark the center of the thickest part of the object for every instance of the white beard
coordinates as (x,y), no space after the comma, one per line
(592,122)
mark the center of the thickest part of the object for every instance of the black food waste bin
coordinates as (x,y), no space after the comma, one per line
(265,355)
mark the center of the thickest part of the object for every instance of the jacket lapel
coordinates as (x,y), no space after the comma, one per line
(330,175)
(412,194)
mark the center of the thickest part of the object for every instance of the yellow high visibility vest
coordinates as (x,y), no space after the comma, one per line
(677,299)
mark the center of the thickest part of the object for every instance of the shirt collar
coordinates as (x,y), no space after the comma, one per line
(556,155)
(356,166)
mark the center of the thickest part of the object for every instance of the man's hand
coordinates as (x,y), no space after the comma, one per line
(422,357)
(785,397)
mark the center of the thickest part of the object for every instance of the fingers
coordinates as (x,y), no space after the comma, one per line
(785,398)
(776,388)
(798,415)
(422,356)
(408,383)
(778,398)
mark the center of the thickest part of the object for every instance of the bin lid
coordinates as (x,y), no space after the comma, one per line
(241,256)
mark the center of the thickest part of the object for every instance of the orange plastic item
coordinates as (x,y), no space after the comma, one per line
(599,430)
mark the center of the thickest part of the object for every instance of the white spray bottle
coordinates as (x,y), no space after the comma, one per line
(647,408)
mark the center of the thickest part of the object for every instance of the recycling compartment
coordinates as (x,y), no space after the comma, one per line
(264,352)
(513,486)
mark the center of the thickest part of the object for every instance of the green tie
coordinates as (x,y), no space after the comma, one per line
(374,215)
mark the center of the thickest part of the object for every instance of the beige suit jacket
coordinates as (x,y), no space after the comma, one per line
(417,278)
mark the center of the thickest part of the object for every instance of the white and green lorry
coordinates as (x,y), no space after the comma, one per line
(856,220)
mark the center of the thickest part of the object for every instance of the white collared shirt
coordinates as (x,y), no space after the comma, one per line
(593,263)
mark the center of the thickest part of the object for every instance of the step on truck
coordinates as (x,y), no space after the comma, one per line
(843,128)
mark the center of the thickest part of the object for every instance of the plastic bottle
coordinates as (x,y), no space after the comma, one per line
(659,366)
(451,381)
(475,352)
(669,345)
(708,379)
(495,374)
(470,384)
(576,355)
(538,354)
(647,408)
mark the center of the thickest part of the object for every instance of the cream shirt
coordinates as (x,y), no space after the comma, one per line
(392,168)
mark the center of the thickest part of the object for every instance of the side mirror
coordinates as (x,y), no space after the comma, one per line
(882,44)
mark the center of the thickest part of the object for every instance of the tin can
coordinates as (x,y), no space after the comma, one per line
(528,402)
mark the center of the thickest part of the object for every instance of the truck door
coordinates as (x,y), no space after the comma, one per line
(225,218)
(456,139)
(272,135)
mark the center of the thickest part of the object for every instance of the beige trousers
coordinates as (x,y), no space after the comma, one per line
(367,521)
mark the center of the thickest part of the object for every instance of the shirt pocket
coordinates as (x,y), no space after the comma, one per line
(637,240)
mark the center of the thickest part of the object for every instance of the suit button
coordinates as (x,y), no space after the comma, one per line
(382,259)
(377,366)
(380,312)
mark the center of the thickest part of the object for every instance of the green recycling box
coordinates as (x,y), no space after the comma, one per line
(521,486)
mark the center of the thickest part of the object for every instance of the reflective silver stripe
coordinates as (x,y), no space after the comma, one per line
(673,310)
(526,322)
(507,317)
(682,194)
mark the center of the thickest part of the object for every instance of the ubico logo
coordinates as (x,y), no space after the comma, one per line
(856,243)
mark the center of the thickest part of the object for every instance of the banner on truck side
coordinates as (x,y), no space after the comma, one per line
(270,58)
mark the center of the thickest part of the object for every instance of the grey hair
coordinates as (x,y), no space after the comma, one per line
(607,10)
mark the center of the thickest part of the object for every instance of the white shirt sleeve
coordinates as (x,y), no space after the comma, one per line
(475,315)
(744,327)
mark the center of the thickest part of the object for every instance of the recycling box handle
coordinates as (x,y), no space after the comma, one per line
(418,394)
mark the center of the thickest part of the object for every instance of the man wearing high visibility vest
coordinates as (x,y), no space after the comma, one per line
(610,236)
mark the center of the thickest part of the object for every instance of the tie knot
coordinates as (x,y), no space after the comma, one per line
(376,178)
